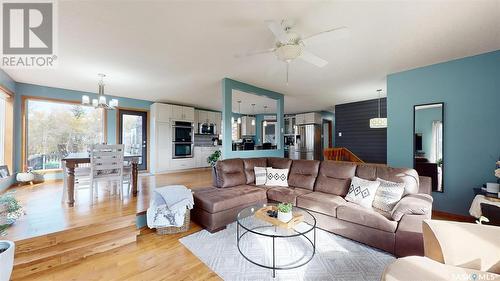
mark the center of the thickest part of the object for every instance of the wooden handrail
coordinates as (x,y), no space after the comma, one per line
(341,154)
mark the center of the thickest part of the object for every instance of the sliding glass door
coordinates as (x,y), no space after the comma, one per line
(133,134)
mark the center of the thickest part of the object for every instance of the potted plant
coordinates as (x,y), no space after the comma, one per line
(212,161)
(10,210)
(7,249)
(285,212)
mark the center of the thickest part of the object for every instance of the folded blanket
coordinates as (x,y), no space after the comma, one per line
(167,206)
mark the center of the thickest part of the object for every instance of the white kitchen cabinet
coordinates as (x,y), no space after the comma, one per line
(161,112)
(163,151)
(247,129)
(182,113)
(182,164)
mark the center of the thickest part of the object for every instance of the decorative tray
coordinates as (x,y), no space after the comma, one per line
(262,214)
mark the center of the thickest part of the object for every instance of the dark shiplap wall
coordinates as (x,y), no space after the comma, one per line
(353,121)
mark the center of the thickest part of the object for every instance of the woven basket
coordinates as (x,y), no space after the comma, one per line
(175,229)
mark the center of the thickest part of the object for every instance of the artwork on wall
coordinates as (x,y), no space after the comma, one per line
(428,127)
(4,172)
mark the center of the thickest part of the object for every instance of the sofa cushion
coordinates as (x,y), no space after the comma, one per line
(249,165)
(335,177)
(303,173)
(367,171)
(368,217)
(320,202)
(279,163)
(220,199)
(230,173)
(407,176)
(286,194)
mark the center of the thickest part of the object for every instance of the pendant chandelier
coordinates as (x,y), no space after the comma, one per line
(253,114)
(264,123)
(100,101)
(377,123)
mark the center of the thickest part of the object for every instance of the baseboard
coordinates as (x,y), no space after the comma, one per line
(440,215)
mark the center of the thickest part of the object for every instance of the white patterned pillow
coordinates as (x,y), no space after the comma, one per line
(362,192)
(388,194)
(277,177)
(260,175)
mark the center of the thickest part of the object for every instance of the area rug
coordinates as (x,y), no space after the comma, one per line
(336,258)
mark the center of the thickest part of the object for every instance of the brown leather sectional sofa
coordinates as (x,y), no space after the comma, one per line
(319,187)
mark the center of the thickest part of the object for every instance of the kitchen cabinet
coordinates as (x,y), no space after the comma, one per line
(247,129)
(308,118)
(289,125)
(201,153)
(182,163)
(210,117)
(182,113)
(163,146)
(161,112)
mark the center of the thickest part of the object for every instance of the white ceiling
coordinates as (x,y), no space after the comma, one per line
(178,52)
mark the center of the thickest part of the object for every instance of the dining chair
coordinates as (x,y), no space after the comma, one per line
(82,172)
(106,164)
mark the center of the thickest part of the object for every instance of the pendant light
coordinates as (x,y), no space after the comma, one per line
(239,112)
(100,101)
(253,114)
(378,123)
(264,123)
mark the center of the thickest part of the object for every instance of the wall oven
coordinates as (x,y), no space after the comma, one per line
(207,129)
(182,140)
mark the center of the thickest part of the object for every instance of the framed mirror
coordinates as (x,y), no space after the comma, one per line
(428,129)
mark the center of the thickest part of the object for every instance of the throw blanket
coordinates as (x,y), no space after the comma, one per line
(475,208)
(168,205)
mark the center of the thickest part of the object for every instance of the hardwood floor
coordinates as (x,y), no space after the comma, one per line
(152,257)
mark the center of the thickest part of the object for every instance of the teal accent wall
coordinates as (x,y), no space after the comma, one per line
(9,84)
(423,125)
(23,89)
(228,85)
(470,90)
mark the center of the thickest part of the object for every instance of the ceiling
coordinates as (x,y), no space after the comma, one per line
(178,51)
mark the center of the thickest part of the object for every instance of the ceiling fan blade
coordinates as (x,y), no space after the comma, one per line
(313,59)
(253,53)
(341,31)
(277,30)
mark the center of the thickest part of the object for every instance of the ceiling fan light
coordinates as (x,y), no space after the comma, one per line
(377,123)
(288,52)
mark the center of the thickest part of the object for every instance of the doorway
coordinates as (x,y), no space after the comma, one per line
(133,134)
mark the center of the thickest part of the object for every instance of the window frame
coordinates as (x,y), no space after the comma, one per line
(8,142)
(24,135)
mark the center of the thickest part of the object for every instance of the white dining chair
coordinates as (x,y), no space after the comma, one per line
(82,173)
(106,164)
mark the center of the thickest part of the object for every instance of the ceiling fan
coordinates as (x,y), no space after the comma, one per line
(291,45)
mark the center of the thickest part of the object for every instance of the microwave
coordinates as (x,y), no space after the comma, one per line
(207,129)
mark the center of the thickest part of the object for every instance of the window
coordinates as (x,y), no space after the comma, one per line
(269,133)
(3,116)
(55,128)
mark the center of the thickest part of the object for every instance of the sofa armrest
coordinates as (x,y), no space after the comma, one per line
(467,245)
(425,185)
(412,204)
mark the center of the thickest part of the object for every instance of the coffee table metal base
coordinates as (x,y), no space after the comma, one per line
(273,237)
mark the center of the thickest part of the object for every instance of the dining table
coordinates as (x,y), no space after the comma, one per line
(72,160)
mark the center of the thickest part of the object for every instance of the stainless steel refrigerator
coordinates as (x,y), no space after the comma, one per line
(308,142)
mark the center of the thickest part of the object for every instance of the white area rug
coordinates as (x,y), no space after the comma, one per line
(336,258)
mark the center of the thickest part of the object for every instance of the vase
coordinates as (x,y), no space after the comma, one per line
(284,217)
(6,259)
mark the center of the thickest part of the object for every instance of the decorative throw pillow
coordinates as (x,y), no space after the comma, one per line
(362,192)
(260,175)
(277,177)
(388,194)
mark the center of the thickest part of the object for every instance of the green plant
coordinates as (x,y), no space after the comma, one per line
(285,207)
(213,158)
(10,211)
(440,162)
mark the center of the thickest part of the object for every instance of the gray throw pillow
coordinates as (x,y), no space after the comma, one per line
(388,194)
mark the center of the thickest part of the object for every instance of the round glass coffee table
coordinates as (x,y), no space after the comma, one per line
(277,248)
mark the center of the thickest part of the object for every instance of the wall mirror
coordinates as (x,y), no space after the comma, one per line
(428,128)
(253,122)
